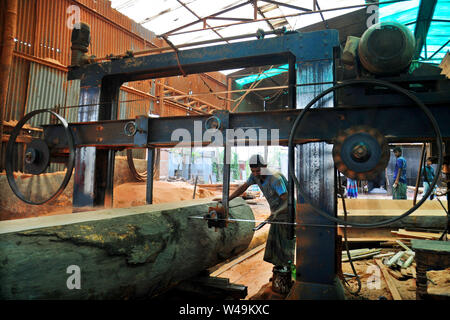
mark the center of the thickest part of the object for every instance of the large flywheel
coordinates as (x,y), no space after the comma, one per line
(37,169)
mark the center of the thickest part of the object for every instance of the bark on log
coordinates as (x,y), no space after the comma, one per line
(122,253)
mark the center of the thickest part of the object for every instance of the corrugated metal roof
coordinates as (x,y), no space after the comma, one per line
(439,32)
(162,16)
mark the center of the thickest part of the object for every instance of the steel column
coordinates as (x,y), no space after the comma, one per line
(315,256)
(150,166)
(94,168)
(226,177)
(85,157)
(291,152)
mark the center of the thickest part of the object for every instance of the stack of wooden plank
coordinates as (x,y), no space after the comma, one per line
(404,234)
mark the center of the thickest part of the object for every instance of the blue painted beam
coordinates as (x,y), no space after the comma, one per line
(424,17)
(304,46)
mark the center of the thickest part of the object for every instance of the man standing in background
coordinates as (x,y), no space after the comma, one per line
(399,186)
(428,177)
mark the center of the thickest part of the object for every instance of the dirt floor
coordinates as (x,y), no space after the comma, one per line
(439,282)
(256,273)
(128,194)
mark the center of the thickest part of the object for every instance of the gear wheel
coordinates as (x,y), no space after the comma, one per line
(360,153)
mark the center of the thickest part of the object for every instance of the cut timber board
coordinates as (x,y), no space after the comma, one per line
(416,235)
(389,281)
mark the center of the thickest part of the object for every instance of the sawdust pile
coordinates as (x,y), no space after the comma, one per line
(125,195)
(133,194)
(439,283)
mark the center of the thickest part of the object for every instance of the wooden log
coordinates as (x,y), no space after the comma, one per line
(121,253)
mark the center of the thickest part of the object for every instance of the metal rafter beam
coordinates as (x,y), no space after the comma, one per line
(287,5)
(255,4)
(198,17)
(424,17)
(229,18)
(173,32)
(316,3)
(202,19)
(438,50)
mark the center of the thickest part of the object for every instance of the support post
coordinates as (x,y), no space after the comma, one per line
(291,152)
(226,176)
(150,166)
(94,168)
(316,245)
(422,156)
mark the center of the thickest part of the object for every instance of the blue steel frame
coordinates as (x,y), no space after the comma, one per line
(100,83)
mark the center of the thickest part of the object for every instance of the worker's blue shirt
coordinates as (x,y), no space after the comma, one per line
(272,188)
(400,164)
(428,174)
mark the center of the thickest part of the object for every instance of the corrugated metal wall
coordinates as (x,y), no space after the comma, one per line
(43,38)
(46,89)
(42,54)
(17,89)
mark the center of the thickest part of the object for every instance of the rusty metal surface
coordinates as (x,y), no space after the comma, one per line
(46,90)
(42,53)
(8,19)
(44,38)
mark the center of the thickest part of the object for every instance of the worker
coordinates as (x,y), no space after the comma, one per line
(428,177)
(399,186)
(279,248)
(352,188)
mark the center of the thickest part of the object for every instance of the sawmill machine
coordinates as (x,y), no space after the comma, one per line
(345,106)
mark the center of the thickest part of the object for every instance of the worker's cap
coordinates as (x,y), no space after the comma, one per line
(256,161)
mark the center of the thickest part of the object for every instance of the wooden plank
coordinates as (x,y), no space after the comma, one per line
(389,281)
(238,260)
(416,235)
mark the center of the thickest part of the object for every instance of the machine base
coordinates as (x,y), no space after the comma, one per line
(317,291)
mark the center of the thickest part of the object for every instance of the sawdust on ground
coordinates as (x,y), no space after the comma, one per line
(255,273)
(134,193)
(125,195)
(366,269)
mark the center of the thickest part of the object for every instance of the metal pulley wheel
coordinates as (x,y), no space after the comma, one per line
(32,162)
(142,175)
(361,153)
